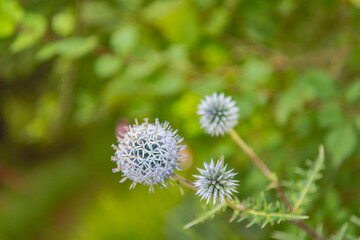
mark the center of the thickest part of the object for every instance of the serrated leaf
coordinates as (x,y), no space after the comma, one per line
(205,215)
(341,234)
(340,143)
(310,176)
(259,211)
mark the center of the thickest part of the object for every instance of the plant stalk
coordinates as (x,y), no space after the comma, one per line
(273,178)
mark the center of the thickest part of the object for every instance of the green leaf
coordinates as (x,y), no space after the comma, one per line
(76,47)
(107,65)
(291,101)
(177,20)
(10,14)
(307,184)
(34,26)
(255,72)
(342,233)
(353,92)
(71,48)
(341,142)
(312,85)
(47,51)
(169,83)
(125,39)
(330,115)
(218,21)
(319,83)
(259,211)
(357,122)
(210,213)
(98,13)
(63,23)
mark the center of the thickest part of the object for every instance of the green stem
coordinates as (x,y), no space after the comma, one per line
(241,207)
(273,178)
(270,175)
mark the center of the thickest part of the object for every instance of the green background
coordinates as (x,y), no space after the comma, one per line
(72,71)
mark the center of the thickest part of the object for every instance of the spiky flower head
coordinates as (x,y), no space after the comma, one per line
(147,153)
(214,182)
(218,114)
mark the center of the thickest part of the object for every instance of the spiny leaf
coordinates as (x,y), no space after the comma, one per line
(307,184)
(341,234)
(259,211)
(205,215)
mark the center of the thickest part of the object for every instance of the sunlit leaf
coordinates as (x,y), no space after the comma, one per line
(177,20)
(33,28)
(353,91)
(10,14)
(63,23)
(76,47)
(125,39)
(107,65)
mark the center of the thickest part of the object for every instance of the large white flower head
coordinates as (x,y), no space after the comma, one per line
(148,153)
(214,182)
(218,114)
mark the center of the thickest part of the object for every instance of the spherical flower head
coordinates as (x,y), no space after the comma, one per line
(214,182)
(218,114)
(148,153)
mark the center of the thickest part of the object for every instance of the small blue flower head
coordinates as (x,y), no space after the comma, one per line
(148,153)
(214,182)
(218,114)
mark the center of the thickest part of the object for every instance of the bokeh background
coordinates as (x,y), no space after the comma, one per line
(72,72)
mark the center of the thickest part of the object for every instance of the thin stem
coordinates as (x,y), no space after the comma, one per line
(273,178)
(311,232)
(185,182)
(270,175)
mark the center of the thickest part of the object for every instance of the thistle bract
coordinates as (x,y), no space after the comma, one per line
(148,153)
(218,114)
(214,182)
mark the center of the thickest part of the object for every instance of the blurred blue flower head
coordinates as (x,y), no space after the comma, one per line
(214,182)
(218,114)
(148,153)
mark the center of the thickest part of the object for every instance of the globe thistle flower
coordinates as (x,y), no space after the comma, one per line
(214,182)
(218,114)
(148,153)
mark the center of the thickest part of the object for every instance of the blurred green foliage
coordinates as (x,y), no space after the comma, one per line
(72,70)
